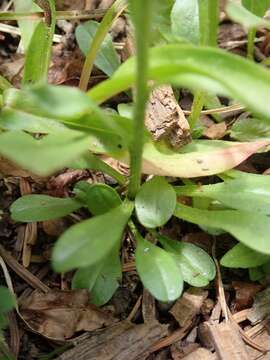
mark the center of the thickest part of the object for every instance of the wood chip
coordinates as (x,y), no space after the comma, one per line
(227,341)
(189,305)
(125,341)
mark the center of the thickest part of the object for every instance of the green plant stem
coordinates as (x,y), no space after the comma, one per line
(250,44)
(141,11)
(60,15)
(196,109)
(114,11)
(208,15)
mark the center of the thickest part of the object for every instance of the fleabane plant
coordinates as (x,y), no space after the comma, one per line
(74,129)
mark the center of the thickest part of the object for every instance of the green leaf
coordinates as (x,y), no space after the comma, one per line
(46,155)
(209,69)
(155,202)
(251,229)
(158,271)
(250,129)
(257,7)
(44,105)
(100,279)
(196,266)
(30,208)
(99,198)
(245,17)
(27,27)
(236,194)
(7,300)
(200,158)
(161,21)
(240,256)
(107,59)
(209,19)
(90,241)
(4,84)
(38,53)
(185,20)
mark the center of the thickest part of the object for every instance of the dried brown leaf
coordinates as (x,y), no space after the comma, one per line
(60,314)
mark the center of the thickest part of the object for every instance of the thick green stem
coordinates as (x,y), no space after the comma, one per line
(141,11)
(114,11)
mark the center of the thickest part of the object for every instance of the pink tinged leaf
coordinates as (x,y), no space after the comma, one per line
(198,163)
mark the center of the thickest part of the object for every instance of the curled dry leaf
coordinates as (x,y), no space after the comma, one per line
(216,131)
(59,314)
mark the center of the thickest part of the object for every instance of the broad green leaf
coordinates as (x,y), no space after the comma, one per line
(90,241)
(241,256)
(50,101)
(93,162)
(201,68)
(201,158)
(158,271)
(31,208)
(257,7)
(46,155)
(16,120)
(38,53)
(185,20)
(155,202)
(7,301)
(236,194)
(71,107)
(99,198)
(100,279)
(196,266)
(250,129)
(240,14)
(107,59)
(251,229)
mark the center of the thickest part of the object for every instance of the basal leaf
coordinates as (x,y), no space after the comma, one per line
(201,68)
(31,208)
(201,158)
(236,194)
(46,155)
(100,279)
(90,241)
(196,266)
(185,20)
(155,202)
(158,271)
(107,58)
(99,198)
(251,229)
(241,256)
